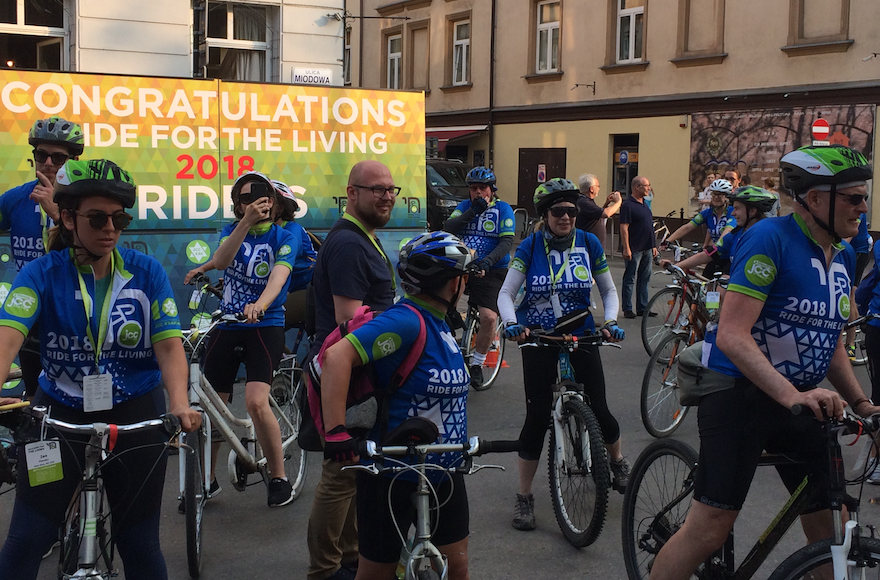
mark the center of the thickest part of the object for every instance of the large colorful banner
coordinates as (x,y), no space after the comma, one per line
(186,141)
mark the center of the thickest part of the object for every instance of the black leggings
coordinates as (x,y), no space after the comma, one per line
(872,344)
(539,372)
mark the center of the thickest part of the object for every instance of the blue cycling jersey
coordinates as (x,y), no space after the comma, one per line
(484,232)
(142,312)
(570,278)
(265,247)
(26,224)
(726,246)
(304,262)
(438,386)
(806,304)
(714,223)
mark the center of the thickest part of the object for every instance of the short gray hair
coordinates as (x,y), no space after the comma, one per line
(586,181)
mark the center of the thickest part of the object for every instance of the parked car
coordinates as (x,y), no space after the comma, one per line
(446,189)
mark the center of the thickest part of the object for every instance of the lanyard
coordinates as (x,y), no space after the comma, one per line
(355,221)
(44,228)
(555,278)
(103,324)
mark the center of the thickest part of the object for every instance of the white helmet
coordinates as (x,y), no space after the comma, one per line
(721,186)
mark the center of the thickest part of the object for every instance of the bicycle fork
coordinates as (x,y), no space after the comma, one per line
(424,552)
(562,438)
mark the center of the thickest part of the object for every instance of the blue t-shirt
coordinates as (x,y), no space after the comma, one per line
(579,266)
(26,224)
(265,247)
(304,262)
(715,224)
(142,312)
(726,246)
(641,224)
(438,386)
(805,304)
(484,232)
(860,240)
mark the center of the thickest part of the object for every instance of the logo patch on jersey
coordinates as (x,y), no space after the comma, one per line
(284,250)
(581,273)
(843,305)
(22,303)
(129,334)
(262,269)
(169,307)
(518,265)
(508,223)
(489,226)
(5,287)
(760,270)
(198,251)
(386,344)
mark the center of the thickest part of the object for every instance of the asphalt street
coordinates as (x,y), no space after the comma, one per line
(243,538)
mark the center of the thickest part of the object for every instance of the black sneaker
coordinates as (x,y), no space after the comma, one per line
(620,470)
(629,314)
(280,492)
(476,376)
(524,512)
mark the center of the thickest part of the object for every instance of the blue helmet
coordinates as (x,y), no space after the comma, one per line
(429,260)
(481,175)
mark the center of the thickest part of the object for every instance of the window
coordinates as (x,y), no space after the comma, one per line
(237,41)
(461,53)
(395,56)
(818,26)
(547,53)
(346,57)
(34,34)
(630,30)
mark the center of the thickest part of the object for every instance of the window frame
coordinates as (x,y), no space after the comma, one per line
(393,57)
(465,46)
(799,44)
(232,43)
(48,33)
(346,55)
(548,27)
(631,13)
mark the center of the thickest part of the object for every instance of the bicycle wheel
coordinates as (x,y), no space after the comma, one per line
(863,563)
(656,502)
(428,574)
(861,350)
(494,357)
(661,410)
(290,396)
(667,307)
(73,532)
(579,475)
(194,495)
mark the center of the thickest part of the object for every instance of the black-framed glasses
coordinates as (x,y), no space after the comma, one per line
(855,198)
(98,219)
(379,191)
(558,212)
(58,158)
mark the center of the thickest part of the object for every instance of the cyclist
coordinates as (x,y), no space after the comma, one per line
(861,244)
(719,220)
(779,335)
(558,265)
(304,263)
(485,224)
(432,269)
(256,256)
(28,211)
(109,327)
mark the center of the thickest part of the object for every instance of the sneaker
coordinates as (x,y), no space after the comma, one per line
(280,492)
(620,470)
(212,492)
(344,573)
(629,314)
(476,376)
(851,352)
(874,478)
(524,512)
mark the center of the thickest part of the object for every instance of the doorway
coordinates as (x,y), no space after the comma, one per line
(551,161)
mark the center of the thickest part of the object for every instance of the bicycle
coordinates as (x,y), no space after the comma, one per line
(246,456)
(578,463)
(661,230)
(861,348)
(658,498)
(414,438)
(8,446)
(495,356)
(87,548)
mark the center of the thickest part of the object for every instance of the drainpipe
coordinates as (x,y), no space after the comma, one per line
(492,85)
(361,49)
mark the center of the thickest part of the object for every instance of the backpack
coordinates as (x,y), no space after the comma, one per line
(367,402)
(865,291)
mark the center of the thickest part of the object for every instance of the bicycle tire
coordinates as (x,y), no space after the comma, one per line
(288,390)
(804,561)
(71,536)
(661,411)
(861,357)
(194,495)
(669,307)
(428,574)
(496,346)
(579,484)
(660,474)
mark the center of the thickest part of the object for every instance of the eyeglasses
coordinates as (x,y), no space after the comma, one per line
(98,219)
(558,212)
(855,199)
(379,191)
(58,159)
(718,193)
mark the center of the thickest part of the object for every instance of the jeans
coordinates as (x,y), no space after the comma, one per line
(641,261)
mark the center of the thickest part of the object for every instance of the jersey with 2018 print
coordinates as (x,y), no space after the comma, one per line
(142,311)
(806,303)
(483,233)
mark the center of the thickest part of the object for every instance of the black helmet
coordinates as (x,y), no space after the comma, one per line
(429,260)
(554,190)
(58,131)
(78,180)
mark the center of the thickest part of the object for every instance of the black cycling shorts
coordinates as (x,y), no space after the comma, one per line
(484,291)
(261,350)
(736,426)
(378,539)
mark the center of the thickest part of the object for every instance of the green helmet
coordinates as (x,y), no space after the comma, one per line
(554,190)
(58,131)
(752,195)
(826,165)
(78,180)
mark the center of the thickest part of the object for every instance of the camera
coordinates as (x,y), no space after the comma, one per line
(258,190)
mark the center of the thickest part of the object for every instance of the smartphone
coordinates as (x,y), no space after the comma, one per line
(258,190)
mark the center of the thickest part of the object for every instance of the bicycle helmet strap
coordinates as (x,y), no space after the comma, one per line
(827,226)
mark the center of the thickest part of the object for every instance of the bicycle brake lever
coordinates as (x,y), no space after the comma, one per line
(372,469)
(475,468)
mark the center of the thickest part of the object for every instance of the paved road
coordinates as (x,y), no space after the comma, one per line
(245,539)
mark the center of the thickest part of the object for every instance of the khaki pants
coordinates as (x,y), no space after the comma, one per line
(332,532)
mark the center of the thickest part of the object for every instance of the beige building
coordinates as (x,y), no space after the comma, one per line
(546,88)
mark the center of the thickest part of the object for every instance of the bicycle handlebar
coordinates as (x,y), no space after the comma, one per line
(203,279)
(168,423)
(541,339)
(862,319)
(850,424)
(473,447)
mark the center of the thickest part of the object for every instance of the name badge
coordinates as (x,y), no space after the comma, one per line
(713,300)
(557,307)
(97,393)
(43,462)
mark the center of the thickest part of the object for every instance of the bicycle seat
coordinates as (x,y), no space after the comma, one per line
(415,431)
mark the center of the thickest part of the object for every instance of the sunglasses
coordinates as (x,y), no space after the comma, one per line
(59,158)
(98,219)
(854,199)
(558,212)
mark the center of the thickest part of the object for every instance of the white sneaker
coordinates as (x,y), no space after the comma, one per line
(874,478)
